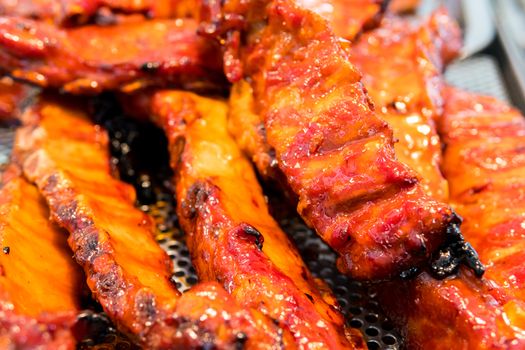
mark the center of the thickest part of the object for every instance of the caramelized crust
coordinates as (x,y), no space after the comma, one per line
(484,163)
(91,59)
(12,94)
(127,271)
(401,66)
(230,234)
(336,153)
(82,11)
(40,284)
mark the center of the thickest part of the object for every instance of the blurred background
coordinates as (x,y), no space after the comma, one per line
(493,59)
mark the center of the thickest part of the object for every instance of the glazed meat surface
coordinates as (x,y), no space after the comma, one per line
(368,206)
(401,66)
(484,162)
(40,284)
(348,18)
(92,59)
(127,271)
(230,234)
(82,11)
(12,94)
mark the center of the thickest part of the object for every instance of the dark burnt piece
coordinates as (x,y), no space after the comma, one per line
(196,196)
(253,232)
(455,251)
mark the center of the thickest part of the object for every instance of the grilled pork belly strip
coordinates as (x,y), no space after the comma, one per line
(92,59)
(81,11)
(335,152)
(484,162)
(127,271)
(40,285)
(230,234)
(401,66)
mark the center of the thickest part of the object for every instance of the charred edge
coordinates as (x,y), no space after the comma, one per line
(253,232)
(109,284)
(197,195)
(145,307)
(194,329)
(455,252)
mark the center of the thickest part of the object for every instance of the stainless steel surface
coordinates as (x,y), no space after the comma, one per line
(480,74)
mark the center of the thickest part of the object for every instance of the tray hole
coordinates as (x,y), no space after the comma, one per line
(373,345)
(356,323)
(389,339)
(341,290)
(343,303)
(372,331)
(183,263)
(174,246)
(355,297)
(179,273)
(191,280)
(326,272)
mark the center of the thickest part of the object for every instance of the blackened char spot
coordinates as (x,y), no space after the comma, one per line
(6,250)
(145,306)
(304,273)
(252,232)
(197,195)
(65,212)
(87,249)
(311,298)
(454,252)
(109,284)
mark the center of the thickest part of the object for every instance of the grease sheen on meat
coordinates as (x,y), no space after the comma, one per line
(484,162)
(127,271)
(230,234)
(335,152)
(401,66)
(92,59)
(40,284)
